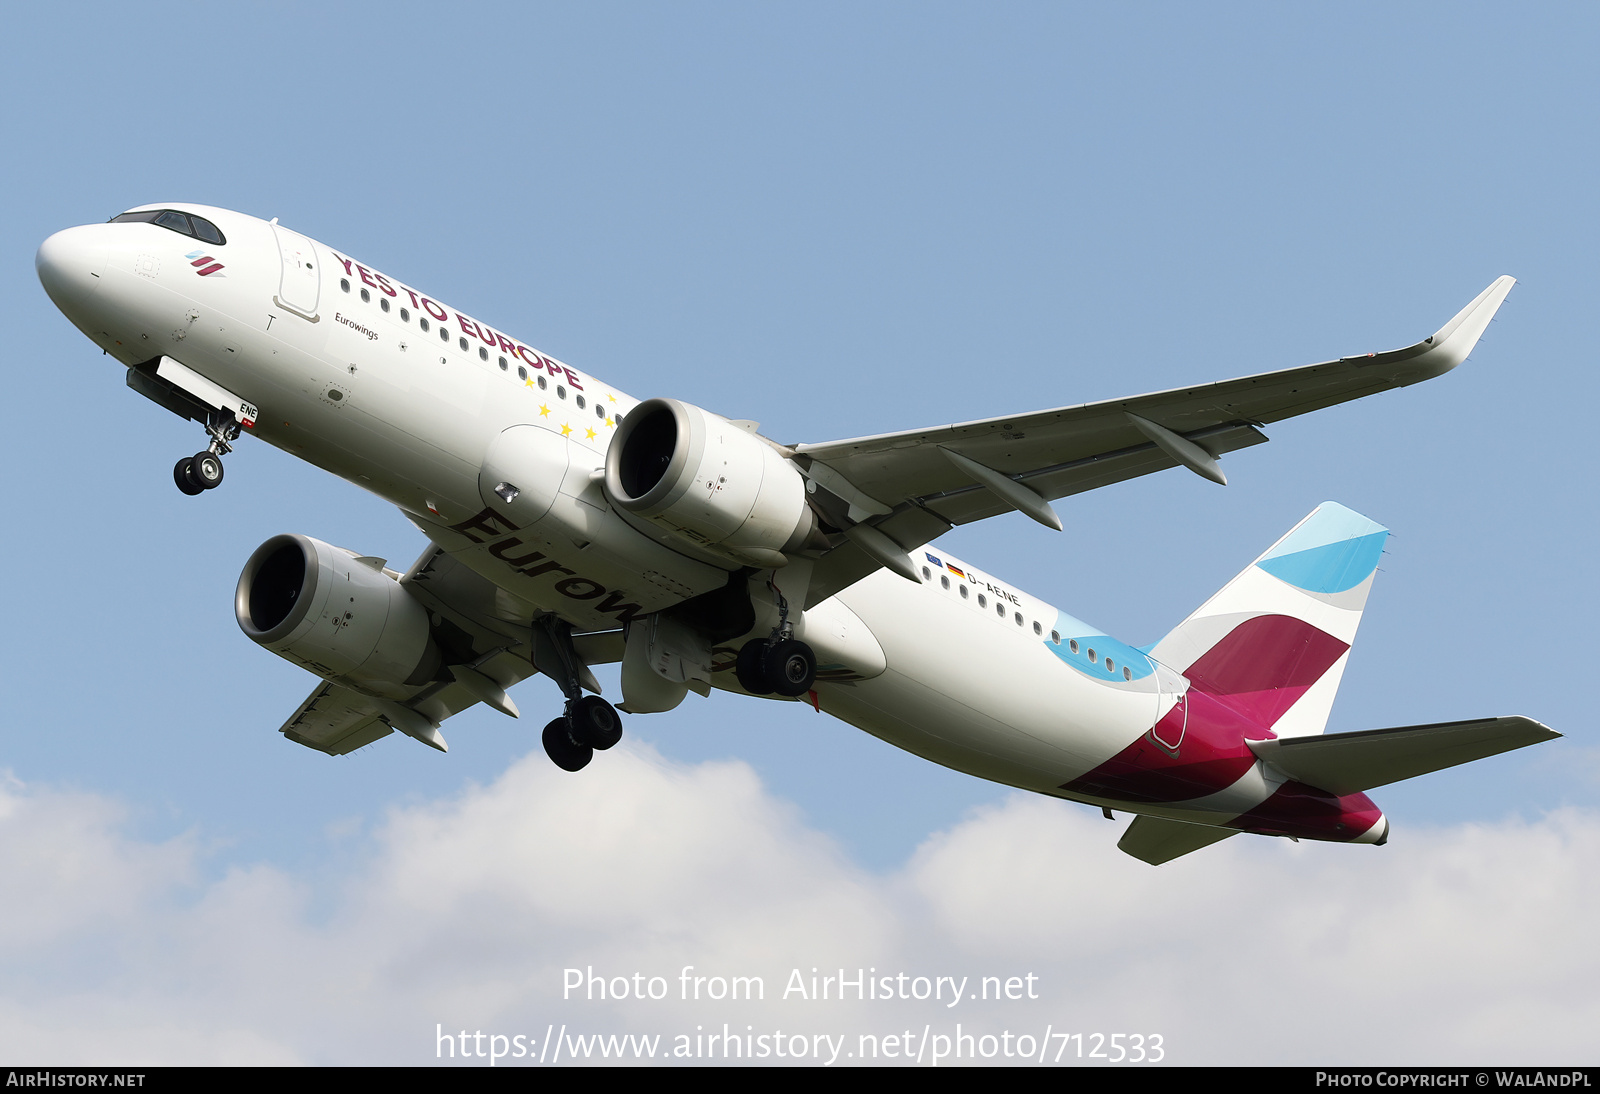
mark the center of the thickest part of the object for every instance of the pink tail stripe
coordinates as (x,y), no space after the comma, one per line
(1265,664)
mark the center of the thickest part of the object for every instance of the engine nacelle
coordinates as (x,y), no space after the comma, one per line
(704,478)
(336,614)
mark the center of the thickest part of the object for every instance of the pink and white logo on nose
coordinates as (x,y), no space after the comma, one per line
(203,263)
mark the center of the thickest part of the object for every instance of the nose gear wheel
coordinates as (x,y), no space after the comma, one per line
(183,475)
(203,471)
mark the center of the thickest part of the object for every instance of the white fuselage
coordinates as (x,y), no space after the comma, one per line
(360,374)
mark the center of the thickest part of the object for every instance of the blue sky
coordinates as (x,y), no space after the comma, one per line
(836,220)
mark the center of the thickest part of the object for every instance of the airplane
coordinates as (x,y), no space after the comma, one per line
(571,525)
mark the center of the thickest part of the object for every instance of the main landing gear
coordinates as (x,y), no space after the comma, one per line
(589,722)
(203,471)
(778,663)
(785,666)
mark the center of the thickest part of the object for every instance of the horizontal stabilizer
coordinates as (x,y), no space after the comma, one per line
(1156,840)
(1344,763)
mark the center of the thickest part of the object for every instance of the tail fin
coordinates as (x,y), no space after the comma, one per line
(1274,641)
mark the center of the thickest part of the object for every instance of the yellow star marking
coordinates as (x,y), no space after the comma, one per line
(591,433)
(544,411)
(565,429)
(610,423)
(528,382)
(610,397)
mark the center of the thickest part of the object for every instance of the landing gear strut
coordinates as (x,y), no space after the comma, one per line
(203,471)
(588,722)
(778,663)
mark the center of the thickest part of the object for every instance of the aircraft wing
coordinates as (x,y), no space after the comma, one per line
(485,635)
(896,491)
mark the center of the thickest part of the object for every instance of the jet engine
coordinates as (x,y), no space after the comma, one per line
(337,614)
(699,476)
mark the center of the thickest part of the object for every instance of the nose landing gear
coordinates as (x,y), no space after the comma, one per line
(198,473)
(203,471)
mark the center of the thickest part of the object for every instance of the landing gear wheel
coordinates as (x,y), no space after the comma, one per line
(748,667)
(182,474)
(790,667)
(563,751)
(594,723)
(206,469)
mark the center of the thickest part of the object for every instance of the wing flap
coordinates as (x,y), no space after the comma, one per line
(1344,763)
(1068,450)
(1013,444)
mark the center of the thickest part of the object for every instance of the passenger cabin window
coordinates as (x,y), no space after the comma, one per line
(561,392)
(344,284)
(580,402)
(422,321)
(502,364)
(405,315)
(383,302)
(366,297)
(182,223)
(543,383)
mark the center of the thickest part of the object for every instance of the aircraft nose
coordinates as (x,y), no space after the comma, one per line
(70,264)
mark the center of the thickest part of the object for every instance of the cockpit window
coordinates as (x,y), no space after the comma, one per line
(182,223)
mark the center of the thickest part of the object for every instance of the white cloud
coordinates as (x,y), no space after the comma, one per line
(1447,946)
(1460,945)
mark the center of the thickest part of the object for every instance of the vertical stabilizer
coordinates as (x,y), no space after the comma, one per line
(1274,641)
